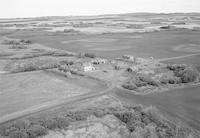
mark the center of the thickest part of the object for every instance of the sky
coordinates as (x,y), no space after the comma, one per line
(37,8)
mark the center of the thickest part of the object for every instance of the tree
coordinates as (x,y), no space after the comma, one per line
(189,75)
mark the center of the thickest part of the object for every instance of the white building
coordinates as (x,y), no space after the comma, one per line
(88,67)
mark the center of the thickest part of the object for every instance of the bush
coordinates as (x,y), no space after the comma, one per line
(185,73)
(90,55)
(36,131)
(167,79)
(189,75)
(5,130)
(138,82)
(25,41)
(128,116)
(148,80)
(80,115)
(21,124)
(100,112)
(50,124)
(142,123)
(153,114)
(129,86)
(18,134)
(69,31)
(62,122)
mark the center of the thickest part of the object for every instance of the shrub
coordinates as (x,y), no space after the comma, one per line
(80,115)
(189,75)
(100,112)
(136,108)
(153,114)
(6,129)
(21,124)
(25,41)
(69,31)
(167,79)
(132,125)
(138,81)
(117,67)
(129,86)
(146,132)
(62,122)
(18,47)
(18,134)
(176,67)
(128,116)
(185,73)
(90,55)
(50,124)
(36,131)
(138,133)
(148,80)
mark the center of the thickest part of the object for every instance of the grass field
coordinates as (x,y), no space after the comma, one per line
(156,44)
(24,90)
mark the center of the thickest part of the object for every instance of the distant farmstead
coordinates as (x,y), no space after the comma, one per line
(98,61)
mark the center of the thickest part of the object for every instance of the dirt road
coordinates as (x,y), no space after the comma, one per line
(184,56)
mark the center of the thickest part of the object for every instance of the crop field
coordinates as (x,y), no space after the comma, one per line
(156,44)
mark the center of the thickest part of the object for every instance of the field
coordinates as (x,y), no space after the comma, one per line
(68,73)
(180,105)
(33,90)
(194,60)
(155,44)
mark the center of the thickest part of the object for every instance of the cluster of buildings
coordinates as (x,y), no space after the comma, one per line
(133,64)
(84,66)
(89,66)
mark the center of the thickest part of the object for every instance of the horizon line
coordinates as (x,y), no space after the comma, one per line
(107,14)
